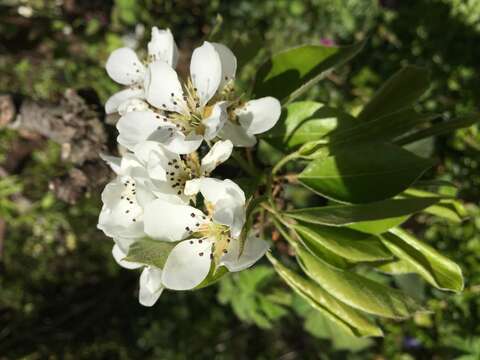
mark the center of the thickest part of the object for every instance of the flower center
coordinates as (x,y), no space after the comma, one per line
(220,234)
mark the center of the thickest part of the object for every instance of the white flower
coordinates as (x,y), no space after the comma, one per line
(205,105)
(209,238)
(249,119)
(168,172)
(124,67)
(194,108)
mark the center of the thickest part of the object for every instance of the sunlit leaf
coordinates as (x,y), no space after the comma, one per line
(338,215)
(349,244)
(341,314)
(291,72)
(356,290)
(424,260)
(364,173)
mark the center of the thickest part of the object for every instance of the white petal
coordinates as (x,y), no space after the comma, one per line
(237,135)
(214,190)
(135,127)
(155,158)
(161,81)
(192,187)
(254,249)
(258,116)
(171,222)
(117,214)
(119,255)
(219,153)
(151,286)
(230,212)
(215,122)
(228,61)
(175,141)
(117,99)
(162,47)
(206,71)
(113,161)
(132,105)
(131,166)
(124,243)
(187,265)
(124,67)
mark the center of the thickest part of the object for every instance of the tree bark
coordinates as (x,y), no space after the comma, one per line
(73,123)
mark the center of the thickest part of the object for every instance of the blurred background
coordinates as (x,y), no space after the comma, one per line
(62,296)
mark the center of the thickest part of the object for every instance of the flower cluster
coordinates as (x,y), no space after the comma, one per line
(163,188)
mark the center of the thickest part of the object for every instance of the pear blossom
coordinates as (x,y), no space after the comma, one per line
(205,104)
(249,119)
(169,172)
(206,240)
(163,189)
(125,68)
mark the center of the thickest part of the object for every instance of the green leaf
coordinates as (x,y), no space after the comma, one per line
(364,173)
(398,92)
(424,260)
(341,314)
(339,215)
(383,128)
(150,252)
(349,244)
(440,129)
(355,290)
(447,208)
(213,276)
(447,211)
(288,74)
(378,226)
(252,204)
(306,121)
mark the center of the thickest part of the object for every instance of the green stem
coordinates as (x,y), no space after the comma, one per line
(251,170)
(282,162)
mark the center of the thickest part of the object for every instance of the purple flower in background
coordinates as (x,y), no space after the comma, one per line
(327,42)
(411,343)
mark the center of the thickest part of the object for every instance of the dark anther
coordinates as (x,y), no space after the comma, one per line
(201,254)
(192,215)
